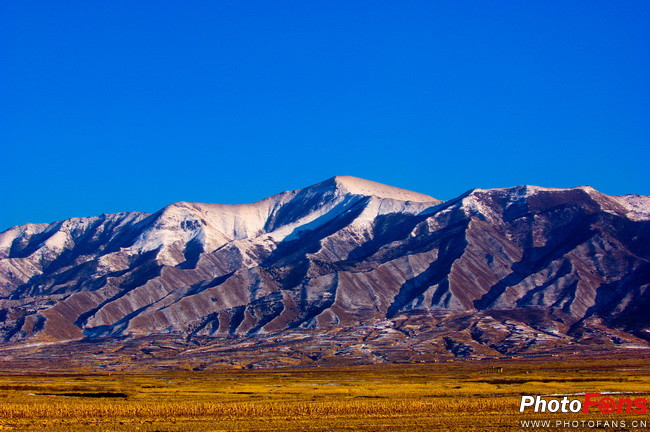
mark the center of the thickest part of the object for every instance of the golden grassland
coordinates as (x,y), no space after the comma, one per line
(462,395)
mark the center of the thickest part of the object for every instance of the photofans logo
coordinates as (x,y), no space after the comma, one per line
(589,403)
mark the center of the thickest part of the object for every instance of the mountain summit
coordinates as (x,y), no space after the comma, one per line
(492,272)
(359,186)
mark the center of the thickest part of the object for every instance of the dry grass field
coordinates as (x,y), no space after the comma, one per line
(451,396)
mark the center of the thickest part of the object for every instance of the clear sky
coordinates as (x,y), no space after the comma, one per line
(110,106)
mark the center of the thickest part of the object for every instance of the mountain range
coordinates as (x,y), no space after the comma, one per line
(347,270)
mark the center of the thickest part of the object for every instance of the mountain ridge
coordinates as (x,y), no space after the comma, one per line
(573,263)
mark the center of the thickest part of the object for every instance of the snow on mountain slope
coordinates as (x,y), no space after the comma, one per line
(637,205)
(358,186)
(214,225)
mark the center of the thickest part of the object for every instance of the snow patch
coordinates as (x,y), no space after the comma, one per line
(638,206)
(358,186)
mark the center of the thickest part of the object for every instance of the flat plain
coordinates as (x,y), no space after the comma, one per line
(468,395)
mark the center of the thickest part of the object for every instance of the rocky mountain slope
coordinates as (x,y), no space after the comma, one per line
(499,271)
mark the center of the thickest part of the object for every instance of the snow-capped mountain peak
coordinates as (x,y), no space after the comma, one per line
(359,186)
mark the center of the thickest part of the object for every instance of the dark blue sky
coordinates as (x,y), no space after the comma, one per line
(131,105)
